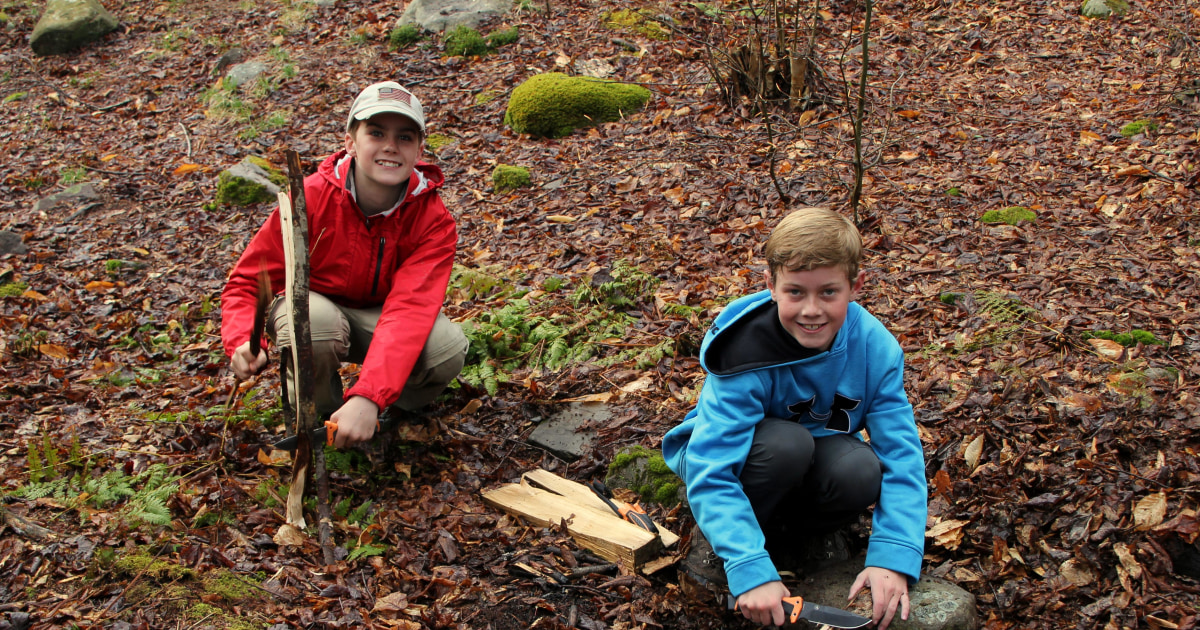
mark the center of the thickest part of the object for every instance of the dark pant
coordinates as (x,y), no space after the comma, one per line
(804,485)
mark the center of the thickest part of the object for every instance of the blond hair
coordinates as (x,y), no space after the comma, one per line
(814,237)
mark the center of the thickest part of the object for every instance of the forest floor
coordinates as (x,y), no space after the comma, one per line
(1062,464)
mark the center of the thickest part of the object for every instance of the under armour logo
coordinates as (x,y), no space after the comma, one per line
(836,419)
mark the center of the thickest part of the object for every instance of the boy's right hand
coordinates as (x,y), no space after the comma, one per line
(763,604)
(247,363)
(356,420)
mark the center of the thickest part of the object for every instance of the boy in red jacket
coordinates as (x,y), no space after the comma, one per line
(381,245)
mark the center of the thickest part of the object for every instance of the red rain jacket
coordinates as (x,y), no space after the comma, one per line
(401,261)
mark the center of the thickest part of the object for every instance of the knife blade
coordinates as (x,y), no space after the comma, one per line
(795,609)
(324,434)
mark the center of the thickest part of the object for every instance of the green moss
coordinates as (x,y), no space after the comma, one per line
(1011,215)
(654,482)
(949,297)
(238,191)
(503,37)
(231,587)
(404,36)
(487,96)
(13,289)
(506,178)
(954,191)
(15,96)
(634,21)
(1129,339)
(436,141)
(1138,127)
(275,175)
(141,563)
(554,104)
(465,41)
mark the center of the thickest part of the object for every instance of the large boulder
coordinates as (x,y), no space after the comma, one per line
(554,104)
(443,15)
(69,24)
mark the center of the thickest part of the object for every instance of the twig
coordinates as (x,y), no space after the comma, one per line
(186,139)
(27,528)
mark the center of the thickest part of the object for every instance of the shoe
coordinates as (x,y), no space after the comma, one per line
(703,565)
(818,552)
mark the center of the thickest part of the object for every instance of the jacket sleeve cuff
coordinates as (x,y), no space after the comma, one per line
(371,396)
(750,573)
(899,558)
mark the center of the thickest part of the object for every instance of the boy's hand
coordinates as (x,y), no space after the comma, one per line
(889,591)
(356,421)
(246,362)
(763,604)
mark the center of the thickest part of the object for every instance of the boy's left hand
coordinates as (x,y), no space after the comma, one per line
(889,591)
(356,421)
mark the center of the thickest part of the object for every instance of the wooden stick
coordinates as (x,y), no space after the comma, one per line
(302,352)
(300,464)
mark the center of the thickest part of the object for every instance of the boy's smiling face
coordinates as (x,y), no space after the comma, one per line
(813,303)
(386,148)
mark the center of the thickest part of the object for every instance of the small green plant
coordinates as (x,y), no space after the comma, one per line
(15,96)
(553,283)
(1003,308)
(953,191)
(72,176)
(13,289)
(464,41)
(222,103)
(950,298)
(404,36)
(487,96)
(1129,339)
(364,550)
(1012,215)
(503,37)
(506,178)
(1138,127)
(144,495)
(26,343)
(488,282)
(360,38)
(623,287)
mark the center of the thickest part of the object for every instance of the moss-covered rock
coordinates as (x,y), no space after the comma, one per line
(634,21)
(645,472)
(1138,127)
(554,104)
(251,181)
(1103,8)
(506,177)
(1011,215)
(436,141)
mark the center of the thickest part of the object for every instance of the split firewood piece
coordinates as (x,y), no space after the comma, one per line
(548,500)
(294,513)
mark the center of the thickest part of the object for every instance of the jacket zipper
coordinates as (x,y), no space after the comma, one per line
(378,266)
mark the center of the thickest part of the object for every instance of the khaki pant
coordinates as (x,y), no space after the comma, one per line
(341,334)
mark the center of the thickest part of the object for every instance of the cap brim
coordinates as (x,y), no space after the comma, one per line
(375,110)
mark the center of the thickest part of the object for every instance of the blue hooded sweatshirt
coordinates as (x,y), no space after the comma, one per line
(857,384)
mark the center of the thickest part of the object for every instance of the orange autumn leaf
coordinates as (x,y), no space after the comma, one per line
(184,169)
(99,285)
(908,113)
(54,350)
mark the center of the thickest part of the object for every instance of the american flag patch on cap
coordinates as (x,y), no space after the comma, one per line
(394,94)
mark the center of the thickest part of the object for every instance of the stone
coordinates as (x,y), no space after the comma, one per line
(232,57)
(560,434)
(251,181)
(245,72)
(936,603)
(644,471)
(554,104)
(442,15)
(1104,8)
(75,195)
(70,24)
(10,243)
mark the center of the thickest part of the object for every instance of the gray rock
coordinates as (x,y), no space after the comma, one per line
(248,183)
(245,72)
(1104,8)
(936,603)
(231,57)
(70,24)
(75,195)
(643,470)
(10,243)
(560,433)
(441,15)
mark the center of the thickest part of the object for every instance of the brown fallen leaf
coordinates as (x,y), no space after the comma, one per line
(289,534)
(1107,348)
(54,350)
(1077,572)
(1150,511)
(1132,170)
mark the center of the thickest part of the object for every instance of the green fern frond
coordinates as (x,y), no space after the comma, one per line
(1002,308)
(364,551)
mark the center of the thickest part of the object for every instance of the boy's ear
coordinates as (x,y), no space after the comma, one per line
(857,285)
(769,278)
(350,145)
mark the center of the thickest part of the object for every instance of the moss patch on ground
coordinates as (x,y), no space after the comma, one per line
(435,141)
(1138,127)
(1129,339)
(553,104)
(633,21)
(645,472)
(1011,215)
(506,177)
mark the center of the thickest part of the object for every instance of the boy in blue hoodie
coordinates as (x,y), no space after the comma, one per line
(774,449)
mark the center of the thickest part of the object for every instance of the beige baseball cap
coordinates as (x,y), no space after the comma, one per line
(387,96)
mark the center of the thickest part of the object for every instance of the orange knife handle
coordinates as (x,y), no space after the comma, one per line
(330,429)
(792,607)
